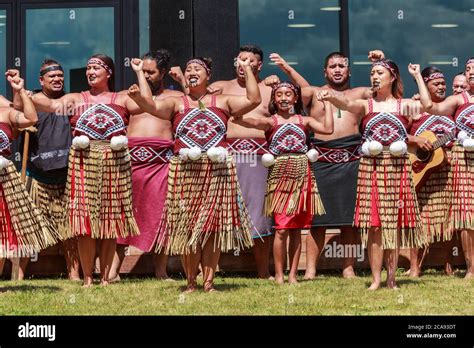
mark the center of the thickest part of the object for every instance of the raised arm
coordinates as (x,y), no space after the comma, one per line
(446,107)
(289,70)
(321,120)
(159,108)
(29,116)
(262,123)
(177,74)
(340,101)
(240,105)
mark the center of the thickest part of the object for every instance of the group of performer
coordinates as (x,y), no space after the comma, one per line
(171,172)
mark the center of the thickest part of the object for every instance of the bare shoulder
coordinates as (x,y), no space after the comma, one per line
(356,92)
(171,93)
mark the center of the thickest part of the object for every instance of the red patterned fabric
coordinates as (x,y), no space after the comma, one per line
(465,115)
(440,125)
(99,121)
(256,146)
(344,155)
(6,137)
(384,127)
(202,128)
(287,137)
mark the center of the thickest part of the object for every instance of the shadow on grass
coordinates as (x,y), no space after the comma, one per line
(26,287)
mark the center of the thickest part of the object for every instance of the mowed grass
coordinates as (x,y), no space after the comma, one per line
(329,294)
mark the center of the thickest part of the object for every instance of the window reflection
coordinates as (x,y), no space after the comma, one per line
(70,36)
(424,31)
(303,32)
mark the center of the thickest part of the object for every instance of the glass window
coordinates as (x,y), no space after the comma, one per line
(303,32)
(431,33)
(144,27)
(70,36)
(3,49)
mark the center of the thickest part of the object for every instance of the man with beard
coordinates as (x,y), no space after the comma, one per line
(248,146)
(337,167)
(48,161)
(150,141)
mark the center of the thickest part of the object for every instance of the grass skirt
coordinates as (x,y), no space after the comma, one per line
(98,198)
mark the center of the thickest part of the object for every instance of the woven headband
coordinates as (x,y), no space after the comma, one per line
(51,68)
(285,84)
(101,63)
(470,61)
(433,76)
(201,63)
(386,66)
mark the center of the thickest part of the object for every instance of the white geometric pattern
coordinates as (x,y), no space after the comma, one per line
(4,141)
(288,138)
(246,146)
(147,154)
(385,128)
(465,120)
(439,125)
(99,122)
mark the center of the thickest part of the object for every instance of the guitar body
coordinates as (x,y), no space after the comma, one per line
(424,163)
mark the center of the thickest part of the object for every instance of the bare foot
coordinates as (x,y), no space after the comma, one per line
(374,286)
(448,270)
(469,275)
(391,284)
(163,277)
(264,276)
(309,276)
(414,273)
(279,279)
(74,279)
(190,288)
(115,279)
(407,272)
(209,287)
(88,282)
(104,283)
(292,280)
(348,273)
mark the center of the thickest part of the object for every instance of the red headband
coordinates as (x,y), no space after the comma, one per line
(285,84)
(386,66)
(433,76)
(100,62)
(201,63)
(470,61)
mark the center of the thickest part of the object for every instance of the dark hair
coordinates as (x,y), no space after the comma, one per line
(48,62)
(110,63)
(332,55)
(206,60)
(272,108)
(252,49)
(397,85)
(161,57)
(460,73)
(430,70)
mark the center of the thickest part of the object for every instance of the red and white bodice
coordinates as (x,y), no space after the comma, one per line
(99,121)
(287,137)
(6,137)
(464,116)
(204,129)
(384,127)
(439,125)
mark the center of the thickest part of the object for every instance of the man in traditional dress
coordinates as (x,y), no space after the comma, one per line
(150,142)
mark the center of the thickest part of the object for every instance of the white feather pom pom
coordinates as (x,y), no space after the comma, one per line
(268,160)
(312,155)
(4,162)
(194,153)
(462,135)
(118,143)
(375,148)
(365,149)
(214,153)
(398,148)
(81,142)
(222,154)
(468,145)
(184,154)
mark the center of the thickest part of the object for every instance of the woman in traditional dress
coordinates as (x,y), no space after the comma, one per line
(204,212)
(23,229)
(434,197)
(461,215)
(386,212)
(98,198)
(292,196)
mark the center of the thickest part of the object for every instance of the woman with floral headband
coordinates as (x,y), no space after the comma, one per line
(434,197)
(98,203)
(461,106)
(204,212)
(292,196)
(386,210)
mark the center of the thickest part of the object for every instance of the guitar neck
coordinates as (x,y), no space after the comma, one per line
(444,139)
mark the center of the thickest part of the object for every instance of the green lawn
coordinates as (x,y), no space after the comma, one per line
(433,294)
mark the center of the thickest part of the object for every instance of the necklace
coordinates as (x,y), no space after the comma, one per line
(202,107)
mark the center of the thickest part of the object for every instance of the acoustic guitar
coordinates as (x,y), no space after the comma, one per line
(423,163)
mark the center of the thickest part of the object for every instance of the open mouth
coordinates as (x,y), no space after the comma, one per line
(92,78)
(193,81)
(284,104)
(375,85)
